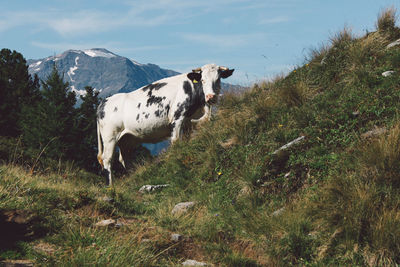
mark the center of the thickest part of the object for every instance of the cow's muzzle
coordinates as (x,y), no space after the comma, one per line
(211,98)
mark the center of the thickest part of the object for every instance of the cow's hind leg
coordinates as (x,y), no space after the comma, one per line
(126,146)
(108,152)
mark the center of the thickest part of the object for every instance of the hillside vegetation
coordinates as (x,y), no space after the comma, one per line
(331,199)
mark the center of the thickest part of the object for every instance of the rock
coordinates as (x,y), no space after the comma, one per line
(151,188)
(146,240)
(230,142)
(245,191)
(104,223)
(193,263)
(16,263)
(374,133)
(388,73)
(395,43)
(278,212)
(176,237)
(323,61)
(182,207)
(45,248)
(106,199)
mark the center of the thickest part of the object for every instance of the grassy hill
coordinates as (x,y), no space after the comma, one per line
(331,199)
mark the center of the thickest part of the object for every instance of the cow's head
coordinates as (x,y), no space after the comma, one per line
(210,78)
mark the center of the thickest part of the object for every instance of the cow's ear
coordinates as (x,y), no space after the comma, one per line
(194,77)
(226,73)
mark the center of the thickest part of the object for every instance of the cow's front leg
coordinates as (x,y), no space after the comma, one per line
(176,130)
(107,159)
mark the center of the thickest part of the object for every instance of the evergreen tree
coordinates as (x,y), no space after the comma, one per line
(17,89)
(50,123)
(86,130)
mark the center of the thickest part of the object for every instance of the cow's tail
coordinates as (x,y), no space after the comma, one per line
(100,146)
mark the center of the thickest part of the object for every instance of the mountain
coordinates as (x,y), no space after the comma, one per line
(103,70)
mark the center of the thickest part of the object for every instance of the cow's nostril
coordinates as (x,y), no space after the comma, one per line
(209,97)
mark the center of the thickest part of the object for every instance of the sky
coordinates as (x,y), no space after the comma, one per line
(258,38)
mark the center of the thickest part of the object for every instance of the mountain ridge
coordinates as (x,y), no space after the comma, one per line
(100,68)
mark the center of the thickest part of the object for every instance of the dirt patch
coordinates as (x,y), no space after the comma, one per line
(251,251)
(188,249)
(15,226)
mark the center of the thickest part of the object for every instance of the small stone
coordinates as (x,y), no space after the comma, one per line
(146,240)
(245,191)
(182,207)
(104,223)
(388,73)
(45,248)
(323,61)
(151,188)
(278,212)
(176,237)
(395,43)
(193,263)
(106,199)
(374,133)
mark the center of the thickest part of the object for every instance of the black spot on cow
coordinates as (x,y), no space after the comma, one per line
(167,108)
(100,109)
(187,88)
(137,117)
(192,103)
(115,109)
(147,115)
(178,111)
(138,106)
(216,86)
(197,103)
(158,113)
(154,86)
(155,100)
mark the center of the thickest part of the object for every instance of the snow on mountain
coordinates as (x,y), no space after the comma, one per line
(98,52)
(97,67)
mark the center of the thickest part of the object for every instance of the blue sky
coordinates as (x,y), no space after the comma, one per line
(259,38)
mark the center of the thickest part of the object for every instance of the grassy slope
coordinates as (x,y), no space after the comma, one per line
(340,192)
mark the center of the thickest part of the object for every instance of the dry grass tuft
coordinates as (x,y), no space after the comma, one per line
(343,37)
(387,19)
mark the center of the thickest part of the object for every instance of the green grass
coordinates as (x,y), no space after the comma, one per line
(338,192)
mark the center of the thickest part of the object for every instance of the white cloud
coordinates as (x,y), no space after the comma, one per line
(223,40)
(139,13)
(274,20)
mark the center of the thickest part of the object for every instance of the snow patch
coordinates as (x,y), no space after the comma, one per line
(98,53)
(35,64)
(78,92)
(136,63)
(73,69)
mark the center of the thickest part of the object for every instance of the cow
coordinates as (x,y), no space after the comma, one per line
(155,112)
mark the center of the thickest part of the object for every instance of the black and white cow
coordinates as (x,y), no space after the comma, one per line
(155,112)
